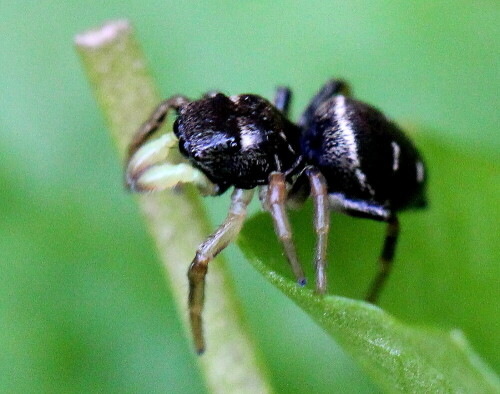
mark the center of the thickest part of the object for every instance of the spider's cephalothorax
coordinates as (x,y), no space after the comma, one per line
(237,141)
(343,153)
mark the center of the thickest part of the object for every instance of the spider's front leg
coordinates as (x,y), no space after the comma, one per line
(155,121)
(275,203)
(206,252)
(147,165)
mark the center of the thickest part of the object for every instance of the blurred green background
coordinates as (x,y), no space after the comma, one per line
(83,303)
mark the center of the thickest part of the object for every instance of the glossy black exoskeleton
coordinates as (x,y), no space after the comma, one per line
(344,154)
(371,168)
(237,141)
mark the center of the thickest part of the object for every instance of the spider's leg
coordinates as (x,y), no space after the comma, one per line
(332,88)
(386,258)
(147,166)
(147,155)
(164,176)
(363,209)
(155,121)
(275,204)
(206,252)
(282,99)
(319,195)
(148,169)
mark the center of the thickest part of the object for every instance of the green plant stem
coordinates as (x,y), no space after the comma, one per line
(127,95)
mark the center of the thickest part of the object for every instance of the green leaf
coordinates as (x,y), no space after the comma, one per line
(440,257)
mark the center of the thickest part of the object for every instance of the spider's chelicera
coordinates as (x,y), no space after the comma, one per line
(343,153)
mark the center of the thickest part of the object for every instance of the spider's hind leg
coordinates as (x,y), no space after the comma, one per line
(363,209)
(385,260)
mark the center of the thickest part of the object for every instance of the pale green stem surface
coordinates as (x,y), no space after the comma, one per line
(127,95)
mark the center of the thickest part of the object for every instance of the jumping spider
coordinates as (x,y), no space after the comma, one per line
(343,153)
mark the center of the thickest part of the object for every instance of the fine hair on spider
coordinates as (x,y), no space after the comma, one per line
(344,154)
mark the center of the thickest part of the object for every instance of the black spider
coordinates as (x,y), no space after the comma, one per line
(343,153)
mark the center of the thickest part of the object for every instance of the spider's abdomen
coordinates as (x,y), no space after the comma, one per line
(363,155)
(238,140)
